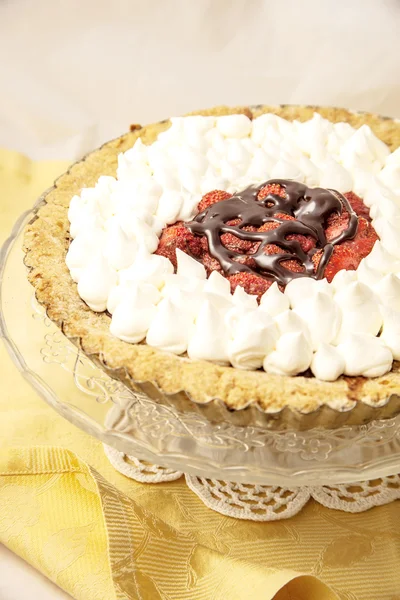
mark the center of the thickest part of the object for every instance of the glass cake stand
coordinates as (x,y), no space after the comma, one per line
(188,442)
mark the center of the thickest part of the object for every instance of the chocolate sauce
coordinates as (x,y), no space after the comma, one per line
(310,207)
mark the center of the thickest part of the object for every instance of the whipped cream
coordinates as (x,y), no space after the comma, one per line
(388,290)
(144,293)
(290,322)
(327,363)
(293,355)
(120,248)
(210,337)
(349,326)
(255,337)
(360,311)
(298,290)
(170,328)
(365,355)
(132,316)
(323,317)
(96,281)
(83,249)
(391,331)
(274,302)
(150,268)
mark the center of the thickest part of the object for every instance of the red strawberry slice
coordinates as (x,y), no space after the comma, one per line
(271,188)
(212,198)
(251,283)
(350,253)
(305,241)
(178,236)
(358,205)
(231,242)
(211,264)
(336,224)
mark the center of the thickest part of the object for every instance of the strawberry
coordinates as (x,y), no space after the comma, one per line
(272,188)
(336,224)
(246,260)
(306,242)
(349,254)
(211,198)
(211,264)
(289,264)
(358,205)
(231,242)
(250,282)
(178,236)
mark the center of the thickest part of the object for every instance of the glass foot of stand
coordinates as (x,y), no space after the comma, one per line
(138,426)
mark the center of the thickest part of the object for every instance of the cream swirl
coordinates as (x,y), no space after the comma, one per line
(292,355)
(327,363)
(365,355)
(274,302)
(391,331)
(323,317)
(96,280)
(82,250)
(210,337)
(360,311)
(132,316)
(254,338)
(170,328)
(298,290)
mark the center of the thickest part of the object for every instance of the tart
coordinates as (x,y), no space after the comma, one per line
(242,263)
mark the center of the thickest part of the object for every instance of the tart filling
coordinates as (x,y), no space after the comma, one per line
(217,241)
(277,231)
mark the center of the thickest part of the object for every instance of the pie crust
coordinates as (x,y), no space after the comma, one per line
(220,392)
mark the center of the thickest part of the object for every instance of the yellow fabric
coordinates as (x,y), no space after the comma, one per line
(101,536)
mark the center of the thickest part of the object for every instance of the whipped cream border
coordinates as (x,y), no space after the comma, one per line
(350,326)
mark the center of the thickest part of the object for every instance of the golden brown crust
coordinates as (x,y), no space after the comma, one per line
(46,243)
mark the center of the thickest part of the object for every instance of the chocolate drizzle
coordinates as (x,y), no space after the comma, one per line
(310,207)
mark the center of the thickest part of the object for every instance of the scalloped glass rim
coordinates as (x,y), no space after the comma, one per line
(136,425)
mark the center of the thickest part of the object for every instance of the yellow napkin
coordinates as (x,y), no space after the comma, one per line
(101,536)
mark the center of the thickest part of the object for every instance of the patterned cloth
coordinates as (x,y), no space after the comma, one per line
(102,536)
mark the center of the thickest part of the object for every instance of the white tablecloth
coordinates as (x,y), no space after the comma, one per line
(74,73)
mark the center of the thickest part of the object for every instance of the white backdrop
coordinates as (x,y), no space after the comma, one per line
(76,72)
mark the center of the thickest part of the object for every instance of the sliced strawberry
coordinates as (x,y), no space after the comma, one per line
(246,260)
(350,253)
(178,236)
(231,242)
(358,205)
(272,188)
(306,242)
(251,283)
(336,224)
(289,264)
(211,264)
(212,198)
